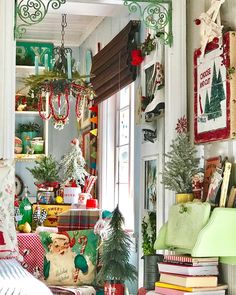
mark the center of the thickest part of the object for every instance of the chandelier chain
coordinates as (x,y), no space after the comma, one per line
(63,26)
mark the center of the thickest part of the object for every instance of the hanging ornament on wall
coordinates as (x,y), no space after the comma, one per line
(210,26)
(57,87)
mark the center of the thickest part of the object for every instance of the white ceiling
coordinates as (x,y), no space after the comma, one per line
(82,18)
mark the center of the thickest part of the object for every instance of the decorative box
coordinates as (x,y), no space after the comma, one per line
(75,219)
(52,212)
(32,252)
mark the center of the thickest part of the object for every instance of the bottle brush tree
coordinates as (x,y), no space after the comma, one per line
(116,253)
(182,163)
(73,163)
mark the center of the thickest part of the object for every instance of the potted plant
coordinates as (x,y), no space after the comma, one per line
(182,164)
(115,266)
(150,258)
(46,174)
(27,132)
(72,167)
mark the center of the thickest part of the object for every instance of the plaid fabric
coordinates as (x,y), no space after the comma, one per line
(75,219)
(32,251)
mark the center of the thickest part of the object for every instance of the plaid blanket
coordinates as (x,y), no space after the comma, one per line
(76,219)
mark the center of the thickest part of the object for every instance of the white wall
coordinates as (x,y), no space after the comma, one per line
(7,78)
(224,148)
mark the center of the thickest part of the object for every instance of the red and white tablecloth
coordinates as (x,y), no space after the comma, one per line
(32,253)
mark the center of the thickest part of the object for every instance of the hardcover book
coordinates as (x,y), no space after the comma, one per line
(225,184)
(166,291)
(188,270)
(189,281)
(210,167)
(190,289)
(188,260)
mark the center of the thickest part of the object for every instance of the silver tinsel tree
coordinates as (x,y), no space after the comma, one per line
(73,163)
(182,163)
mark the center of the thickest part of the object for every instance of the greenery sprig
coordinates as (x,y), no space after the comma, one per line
(34,81)
(149,233)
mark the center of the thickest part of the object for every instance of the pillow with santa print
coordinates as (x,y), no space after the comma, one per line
(70,257)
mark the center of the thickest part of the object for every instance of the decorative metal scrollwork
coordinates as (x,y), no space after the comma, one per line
(31,12)
(156,14)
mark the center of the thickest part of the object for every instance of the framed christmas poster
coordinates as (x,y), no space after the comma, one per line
(215,92)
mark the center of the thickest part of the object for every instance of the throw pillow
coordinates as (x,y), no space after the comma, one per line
(70,257)
(8,241)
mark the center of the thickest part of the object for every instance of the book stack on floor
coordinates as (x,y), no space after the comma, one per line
(182,275)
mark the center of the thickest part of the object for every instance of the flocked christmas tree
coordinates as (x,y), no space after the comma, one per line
(116,253)
(72,165)
(182,162)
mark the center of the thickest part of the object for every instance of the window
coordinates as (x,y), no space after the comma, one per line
(116,129)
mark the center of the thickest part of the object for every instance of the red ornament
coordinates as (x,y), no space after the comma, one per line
(197,21)
(137,57)
(94,109)
(216,40)
(198,52)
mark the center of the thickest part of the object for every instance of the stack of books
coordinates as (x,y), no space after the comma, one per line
(182,275)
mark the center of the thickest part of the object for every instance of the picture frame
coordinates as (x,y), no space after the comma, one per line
(211,164)
(150,183)
(214,91)
(86,114)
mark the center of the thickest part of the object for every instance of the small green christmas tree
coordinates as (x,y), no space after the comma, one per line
(46,170)
(72,164)
(116,253)
(182,163)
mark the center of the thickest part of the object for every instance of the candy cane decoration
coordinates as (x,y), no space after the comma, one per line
(83,240)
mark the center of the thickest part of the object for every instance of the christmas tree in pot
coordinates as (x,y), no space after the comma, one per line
(72,166)
(181,165)
(115,266)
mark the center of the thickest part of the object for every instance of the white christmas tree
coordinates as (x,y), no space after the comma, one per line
(72,165)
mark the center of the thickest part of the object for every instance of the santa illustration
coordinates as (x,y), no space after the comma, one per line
(62,265)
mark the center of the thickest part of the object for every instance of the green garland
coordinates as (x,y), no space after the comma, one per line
(38,80)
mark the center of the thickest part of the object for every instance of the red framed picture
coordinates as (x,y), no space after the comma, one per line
(215,92)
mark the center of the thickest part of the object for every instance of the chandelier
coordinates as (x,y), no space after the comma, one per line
(57,87)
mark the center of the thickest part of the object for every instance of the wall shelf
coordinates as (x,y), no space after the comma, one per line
(217,237)
(28,113)
(28,157)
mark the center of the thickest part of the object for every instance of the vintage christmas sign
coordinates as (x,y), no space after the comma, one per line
(215,92)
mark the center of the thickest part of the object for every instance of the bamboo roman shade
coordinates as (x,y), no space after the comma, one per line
(112,67)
